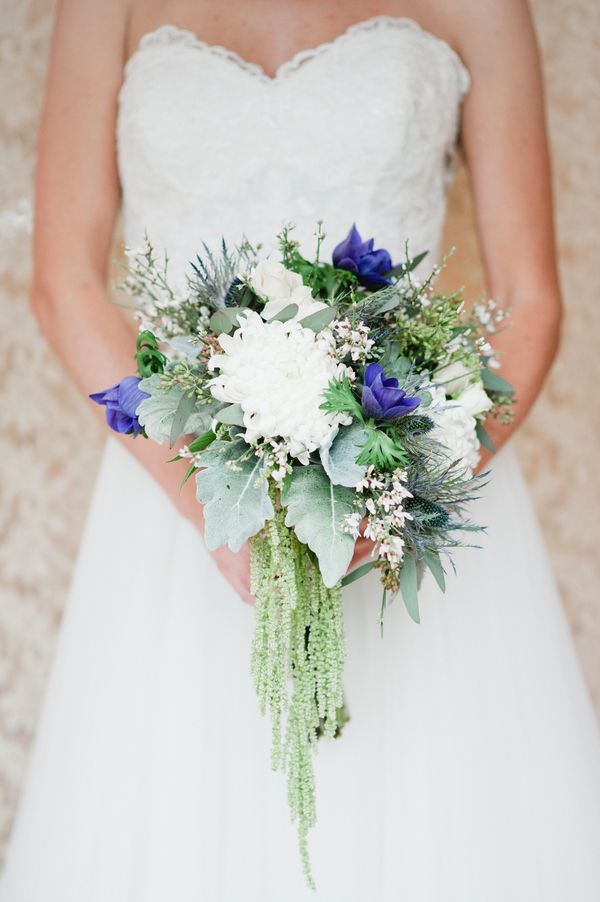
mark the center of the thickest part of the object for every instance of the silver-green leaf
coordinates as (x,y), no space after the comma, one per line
(316,509)
(408,586)
(234,492)
(339,457)
(156,413)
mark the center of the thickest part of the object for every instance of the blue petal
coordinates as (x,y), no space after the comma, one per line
(118,421)
(400,410)
(347,263)
(349,247)
(372,371)
(370,405)
(130,397)
(103,397)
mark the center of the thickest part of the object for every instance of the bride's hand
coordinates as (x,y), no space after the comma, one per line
(362,549)
(235,567)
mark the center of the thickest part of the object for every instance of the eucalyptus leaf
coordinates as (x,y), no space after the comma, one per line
(432,559)
(386,304)
(394,363)
(339,456)
(191,469)
(493,382)
(408,586)
(414,261)
(220,322)
(404,268)
(234,492)
(320,319)
(284,315)
(182,414)
(202,441)
(156,413)
(231,415)
(317,509)
(484,437)
(357,573)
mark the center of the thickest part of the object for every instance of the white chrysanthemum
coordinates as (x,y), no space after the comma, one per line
(277,372)
(454,429)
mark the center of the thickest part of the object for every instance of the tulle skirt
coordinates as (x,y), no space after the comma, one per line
(469,771)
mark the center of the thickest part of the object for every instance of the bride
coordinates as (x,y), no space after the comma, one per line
(470,770)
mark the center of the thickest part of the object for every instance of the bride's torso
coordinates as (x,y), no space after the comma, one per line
(360,129)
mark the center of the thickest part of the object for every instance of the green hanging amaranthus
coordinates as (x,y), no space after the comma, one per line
(298,658)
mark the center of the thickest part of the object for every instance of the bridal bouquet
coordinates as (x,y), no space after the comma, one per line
(319,400)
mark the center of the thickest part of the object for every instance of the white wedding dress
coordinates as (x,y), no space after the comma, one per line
(470,771)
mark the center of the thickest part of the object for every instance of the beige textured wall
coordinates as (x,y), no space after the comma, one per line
(49,444)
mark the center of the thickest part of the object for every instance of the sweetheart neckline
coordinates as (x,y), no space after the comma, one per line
(165,32)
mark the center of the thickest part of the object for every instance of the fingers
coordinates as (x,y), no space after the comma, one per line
(362,549)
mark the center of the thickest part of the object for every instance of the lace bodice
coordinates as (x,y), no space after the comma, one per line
(361,129)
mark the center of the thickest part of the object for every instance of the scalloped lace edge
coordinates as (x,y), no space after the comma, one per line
(173,34)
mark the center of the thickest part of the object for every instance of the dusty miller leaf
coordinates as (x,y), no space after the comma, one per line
(316,509)
(339,458)
(234,493)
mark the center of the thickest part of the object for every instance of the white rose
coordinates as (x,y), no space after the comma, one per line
(282,287)
(455,430)
(474,399)
(454,377)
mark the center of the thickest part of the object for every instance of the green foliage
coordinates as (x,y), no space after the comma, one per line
(339,458)
(235,494)
(320,319)
(484,437)
(157,413)
(189,376)
(358,572)
(299,635)
(202,442)
(326,282)
(339,397)
(408,586)
(432,560)
(225,319)
(492,382)
(317,510)
(423,332)
(148,357)
(381,449)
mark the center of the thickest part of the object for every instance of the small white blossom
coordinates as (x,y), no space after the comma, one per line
(349,340)
(352,524)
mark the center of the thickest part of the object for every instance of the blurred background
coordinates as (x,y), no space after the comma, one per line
(50,441)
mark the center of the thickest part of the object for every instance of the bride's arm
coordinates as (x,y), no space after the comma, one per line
(506,150)
(77,201)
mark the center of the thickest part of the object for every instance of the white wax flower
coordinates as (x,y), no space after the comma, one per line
(277,372)
(281,287)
